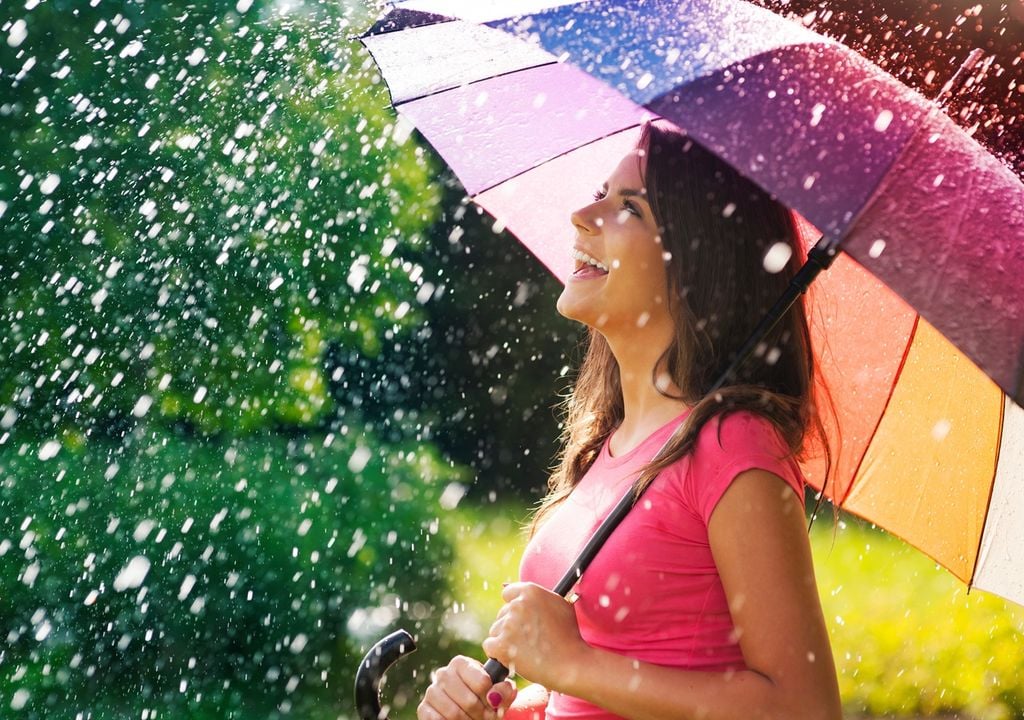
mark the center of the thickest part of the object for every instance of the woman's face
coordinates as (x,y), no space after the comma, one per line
(628,291)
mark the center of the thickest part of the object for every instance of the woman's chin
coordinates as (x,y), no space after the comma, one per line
(595,321)
(570,308)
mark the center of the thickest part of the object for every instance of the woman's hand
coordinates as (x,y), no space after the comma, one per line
(462,690)
(536,635)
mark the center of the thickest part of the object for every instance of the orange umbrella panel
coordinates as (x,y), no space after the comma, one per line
(919,435)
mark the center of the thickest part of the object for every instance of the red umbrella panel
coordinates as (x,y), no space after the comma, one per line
(918,325)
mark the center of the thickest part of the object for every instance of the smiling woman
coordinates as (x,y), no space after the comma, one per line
(703,602)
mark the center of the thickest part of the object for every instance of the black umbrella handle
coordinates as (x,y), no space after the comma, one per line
(495,670)
(371,670)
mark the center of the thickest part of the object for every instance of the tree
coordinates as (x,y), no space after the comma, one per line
(237,188)
(199,202)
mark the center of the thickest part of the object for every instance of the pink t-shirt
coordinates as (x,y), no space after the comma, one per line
(653,592)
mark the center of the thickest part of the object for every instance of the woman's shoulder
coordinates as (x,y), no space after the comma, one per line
(731,438)
(734,442)
(735,431)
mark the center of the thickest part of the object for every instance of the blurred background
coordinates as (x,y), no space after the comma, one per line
(271,387)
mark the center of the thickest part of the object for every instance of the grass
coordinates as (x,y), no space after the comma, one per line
(908,638)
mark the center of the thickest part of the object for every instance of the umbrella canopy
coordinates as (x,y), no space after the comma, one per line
(918,326)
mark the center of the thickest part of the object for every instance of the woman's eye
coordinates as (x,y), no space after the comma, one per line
(627,206)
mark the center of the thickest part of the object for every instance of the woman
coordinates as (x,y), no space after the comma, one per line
(703,602)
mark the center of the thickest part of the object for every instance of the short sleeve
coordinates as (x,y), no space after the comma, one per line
(726,448)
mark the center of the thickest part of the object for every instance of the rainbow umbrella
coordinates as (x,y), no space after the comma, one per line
(919,323)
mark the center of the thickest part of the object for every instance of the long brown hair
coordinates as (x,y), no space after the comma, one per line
(716,228)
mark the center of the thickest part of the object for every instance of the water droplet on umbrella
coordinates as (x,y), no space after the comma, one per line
(816,113)
(941,429)
(883,120)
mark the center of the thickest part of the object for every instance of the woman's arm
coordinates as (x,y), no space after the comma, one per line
(760,546)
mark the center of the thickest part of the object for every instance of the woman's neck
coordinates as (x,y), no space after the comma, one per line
(645,409)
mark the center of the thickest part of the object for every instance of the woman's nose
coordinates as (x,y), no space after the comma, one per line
(586,221)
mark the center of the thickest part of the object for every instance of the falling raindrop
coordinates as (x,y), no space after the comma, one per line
(777,257)
(133,574)
(17,33)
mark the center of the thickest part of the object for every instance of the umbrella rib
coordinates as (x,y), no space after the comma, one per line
(398,106)
(991,489)
(888,400)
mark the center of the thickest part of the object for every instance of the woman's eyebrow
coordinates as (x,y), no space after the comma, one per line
(628,192)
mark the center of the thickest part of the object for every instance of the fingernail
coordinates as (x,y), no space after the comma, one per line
(494,698)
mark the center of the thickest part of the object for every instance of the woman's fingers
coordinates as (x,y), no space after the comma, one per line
(458,692)
(439,705)
(475,679)
(501,695)
(502,612)
(494,648)
(495,628)
(426,711)
(511,591)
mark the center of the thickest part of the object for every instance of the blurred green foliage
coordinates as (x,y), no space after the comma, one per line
(183,176)
(484,373)
(907,636)
(235,578)
(205,206)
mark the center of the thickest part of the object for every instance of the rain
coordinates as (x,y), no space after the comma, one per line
(273,385)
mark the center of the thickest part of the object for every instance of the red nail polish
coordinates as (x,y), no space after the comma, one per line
(494,698)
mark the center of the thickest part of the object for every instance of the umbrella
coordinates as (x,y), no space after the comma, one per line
(918,324)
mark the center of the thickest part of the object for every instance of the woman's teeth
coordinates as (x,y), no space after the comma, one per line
(583,260)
